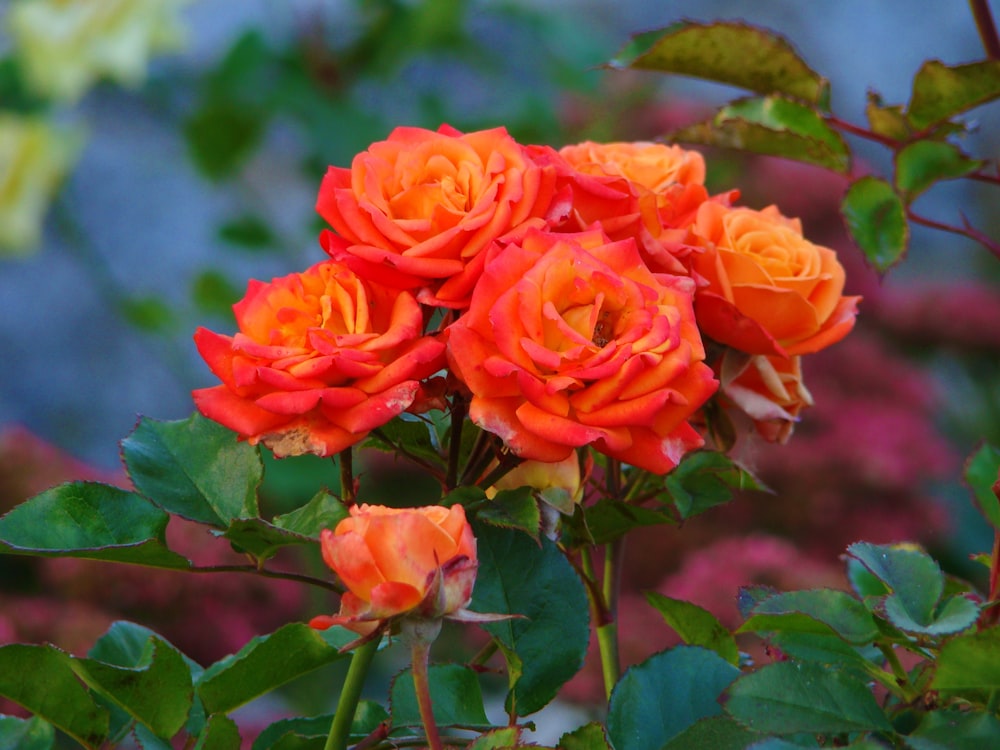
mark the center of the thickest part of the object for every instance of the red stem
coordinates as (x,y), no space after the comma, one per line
(966,231)
(421,653)
(987,29)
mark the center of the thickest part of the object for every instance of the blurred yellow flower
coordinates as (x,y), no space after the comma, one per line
(34,158)
(67,45)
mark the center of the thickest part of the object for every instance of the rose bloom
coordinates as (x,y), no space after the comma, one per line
(417,209)
(399,561)
(768,389)
(645,191)
(67,45)
(571,341)
(768,290)
(34,158)
(320,359)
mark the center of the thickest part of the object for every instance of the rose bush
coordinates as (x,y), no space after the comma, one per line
(417,209)
(767,289)
(394,562)
(570,340)
(321,358)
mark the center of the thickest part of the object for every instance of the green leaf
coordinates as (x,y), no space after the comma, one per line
(913,577)
(214,294)
(982,471)
(695,626)
(731,53)
(824,648)
(260,538)
(955,730)
(863,581)
(415,436)
(953,615)
(876,219)
(941,91)
(518,575)
(156,689)
(220,733)
(705,479)
(969,666)
(789,697)
(311,733)
(800,611)
(688,679)
(608,520)
(41,679)
(588,737)
(93,521)
(248,231)
(323,511)
(267,662)
(715,732)
(513,509)
(921,164)
(455,695)
(195,468)
(885,120)
(772,126)
(26,734)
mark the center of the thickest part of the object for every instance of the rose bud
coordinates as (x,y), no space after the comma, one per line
(393,562)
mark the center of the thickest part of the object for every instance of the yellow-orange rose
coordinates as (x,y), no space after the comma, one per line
(417,209)
(321,358)
(399,561)
(67,45)
(768,290)
(570,340)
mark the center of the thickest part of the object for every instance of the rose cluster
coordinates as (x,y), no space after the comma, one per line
(596,295)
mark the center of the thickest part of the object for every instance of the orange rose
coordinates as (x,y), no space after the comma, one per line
(768,389)
(321,358)
(768,289)
(645,191)
(655,166)
(417,209)
(570,340)
(399,561)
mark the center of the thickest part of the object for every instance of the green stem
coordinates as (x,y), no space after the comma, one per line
(901,678)
(607,644)
(340,728)
(458,413)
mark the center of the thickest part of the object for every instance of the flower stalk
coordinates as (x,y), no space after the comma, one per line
(350,694)
(420,634)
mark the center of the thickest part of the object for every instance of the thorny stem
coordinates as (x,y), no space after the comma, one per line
(420,649)
(350,693)
(347,495)
(987,29)
(966,231)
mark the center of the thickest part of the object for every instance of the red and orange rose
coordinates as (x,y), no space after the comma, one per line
(570,340)
(321,358)
(417,209)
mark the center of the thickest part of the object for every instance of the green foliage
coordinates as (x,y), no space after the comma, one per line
(25,734)
(691,676)
(982,471)
(731,53)
(876,218)
(545,645)
(455,692)
(194,468)
(695,626)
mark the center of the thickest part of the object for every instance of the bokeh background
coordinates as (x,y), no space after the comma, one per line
(204,172)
